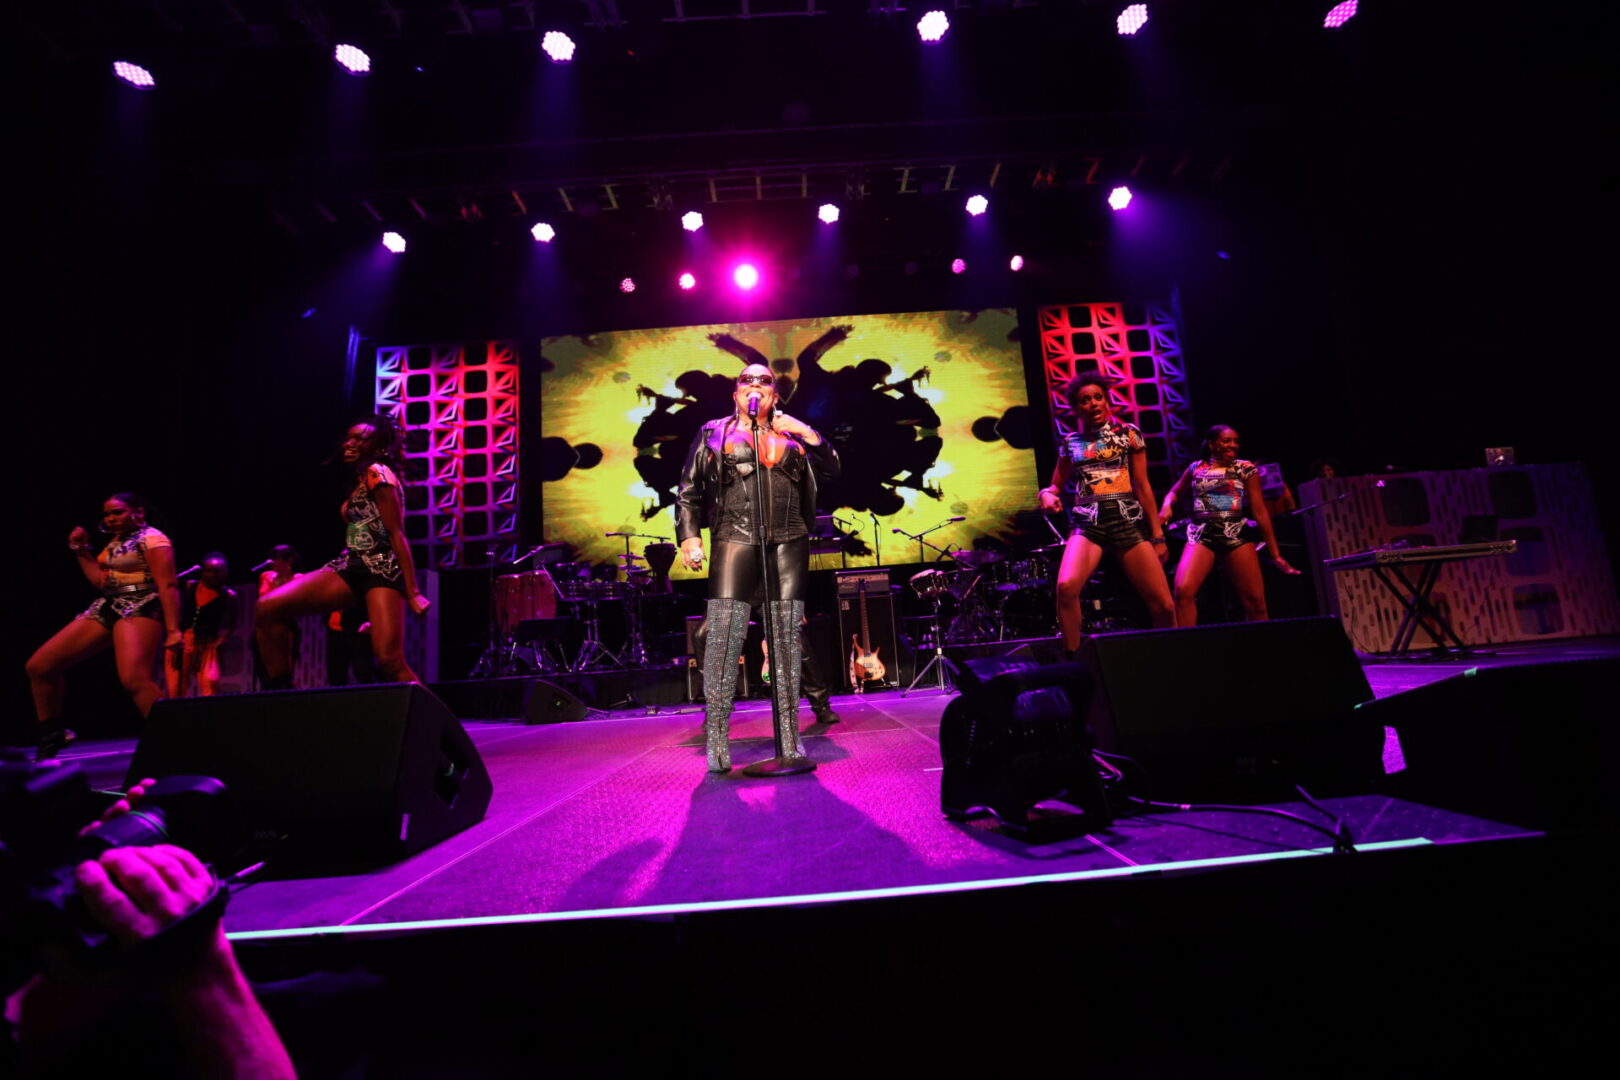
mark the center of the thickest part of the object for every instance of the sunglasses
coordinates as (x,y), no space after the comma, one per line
(755,380)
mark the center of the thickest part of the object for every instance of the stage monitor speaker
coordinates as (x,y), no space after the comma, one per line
(1237,711)
(872,586)
(547,703)
(1527,744)
(1016,737)
(363,774)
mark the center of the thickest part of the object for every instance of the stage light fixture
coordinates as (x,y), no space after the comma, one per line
(627,285)
(1016,263)
(828,213)
(958,266)
(394,242)
(134,74)
(1339,14)
(687,281)
(1120,197)
(352,59)
(691,221)
(543,232)
(557,45)
(977,204)
(932,26)
(746,276)
(1131,20)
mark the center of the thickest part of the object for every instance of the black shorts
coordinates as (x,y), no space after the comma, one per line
(363,575)
(1220,535)
(129,605)
(1112,524)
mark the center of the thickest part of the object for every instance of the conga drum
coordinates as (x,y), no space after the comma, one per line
(529,595)
(660,557)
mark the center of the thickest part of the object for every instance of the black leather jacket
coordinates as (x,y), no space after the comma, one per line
(701,476)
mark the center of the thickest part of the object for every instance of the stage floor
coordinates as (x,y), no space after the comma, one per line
(616,816)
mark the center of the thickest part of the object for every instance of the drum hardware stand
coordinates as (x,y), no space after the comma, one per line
(939,663)
(941,554)
(635,645)
(592,649)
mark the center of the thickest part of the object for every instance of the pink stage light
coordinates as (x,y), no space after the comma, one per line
(1339,14)
(932,26)
(828,213)
(1016,263)
(354,60)
(687,281)
(1120,197)
(627,285)
(543,232)
(958,266)
(557,45)
(746,276)
(394,242)
(691,221)
(1131,20)
(134,74)
(977,204)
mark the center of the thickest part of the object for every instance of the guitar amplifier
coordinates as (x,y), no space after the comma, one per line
(864,600)
(694,660)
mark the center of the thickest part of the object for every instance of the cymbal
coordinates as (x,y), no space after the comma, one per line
(977,559)
(631,558)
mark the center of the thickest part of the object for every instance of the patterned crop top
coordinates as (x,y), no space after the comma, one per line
(1102,460)
(365,535)
(123,560)
(1219,491)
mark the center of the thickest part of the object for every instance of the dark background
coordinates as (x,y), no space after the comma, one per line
(1413,248)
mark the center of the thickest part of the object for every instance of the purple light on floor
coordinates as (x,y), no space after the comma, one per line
(1339,14)
(557,45)
(828,213)
(932,26)
(134,74)
(543,232)
(691,221)
(687,281)
(627,285)
(746,276)
(353,60)
(977,204)
(1016,263)
(1131,20)
(1120,197)
(958,266)
(394,242)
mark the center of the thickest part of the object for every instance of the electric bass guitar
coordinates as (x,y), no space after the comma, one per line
(864,665)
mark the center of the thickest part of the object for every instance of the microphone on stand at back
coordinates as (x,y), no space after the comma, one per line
(262,566)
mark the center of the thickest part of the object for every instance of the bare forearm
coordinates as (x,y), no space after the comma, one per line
(407,563)
(169,599)
(227,1033)
(89,568)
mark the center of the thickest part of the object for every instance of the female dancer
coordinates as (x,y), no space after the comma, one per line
(211,609)
(284,561)
(139,609)
(1224,490)
(376,568)
(717,490)
(1103,465)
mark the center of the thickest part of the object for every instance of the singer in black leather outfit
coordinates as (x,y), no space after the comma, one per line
(717,490)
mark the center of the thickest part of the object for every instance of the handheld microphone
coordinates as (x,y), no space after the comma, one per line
(753,406)
(262,566)
(188,572)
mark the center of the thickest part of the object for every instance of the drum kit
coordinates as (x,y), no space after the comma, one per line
(528,636)
(992,597)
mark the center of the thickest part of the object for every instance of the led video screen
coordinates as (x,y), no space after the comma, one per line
(928,412)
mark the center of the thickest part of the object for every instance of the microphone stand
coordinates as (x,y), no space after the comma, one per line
(877,543)
(783,764)
(921,543)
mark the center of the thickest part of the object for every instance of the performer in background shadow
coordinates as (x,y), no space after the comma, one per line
(376,569)
(1219,493)
(138,612)
(212,610)
(1104,468)
(718,491)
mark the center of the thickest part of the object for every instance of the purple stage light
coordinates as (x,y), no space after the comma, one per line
(687,281)
(543,232)
(1120,197)
(1131,20)
(958,266)
(746,276)
(691,221)
(932,26)
(977,204)
(1016,263)
(134,74)
(354,60)
(1339,14)
(828,213)
(627,285)
(557,45)
(394,242)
